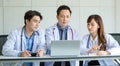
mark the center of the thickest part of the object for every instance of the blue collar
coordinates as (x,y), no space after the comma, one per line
(59,27)
(34,33)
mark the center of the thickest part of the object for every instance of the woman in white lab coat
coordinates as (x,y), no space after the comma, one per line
(98,42)
(26,40)
(54,32)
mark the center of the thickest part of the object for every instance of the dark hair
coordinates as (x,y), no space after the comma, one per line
(30,14)
(101,36)
(63,7)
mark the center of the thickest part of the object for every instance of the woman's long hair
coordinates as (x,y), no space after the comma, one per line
(101,36)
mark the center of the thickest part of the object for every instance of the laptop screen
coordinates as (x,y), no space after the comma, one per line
(65,48)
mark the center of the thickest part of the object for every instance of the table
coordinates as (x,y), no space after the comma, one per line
(58,58)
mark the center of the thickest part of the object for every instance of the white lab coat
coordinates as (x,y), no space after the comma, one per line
(13,44)
(112,46)
(52,33)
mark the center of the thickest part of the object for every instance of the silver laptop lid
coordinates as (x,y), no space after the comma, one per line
(65,48)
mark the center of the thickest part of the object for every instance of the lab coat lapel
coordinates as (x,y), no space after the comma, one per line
(69,34)
(23,46)
(56,32)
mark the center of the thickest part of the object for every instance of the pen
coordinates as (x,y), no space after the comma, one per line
(100,45)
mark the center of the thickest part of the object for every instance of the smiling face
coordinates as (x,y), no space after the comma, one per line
(63,18)
(33,24)
(92,27)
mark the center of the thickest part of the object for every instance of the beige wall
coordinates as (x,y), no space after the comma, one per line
(118,16)
(12,13)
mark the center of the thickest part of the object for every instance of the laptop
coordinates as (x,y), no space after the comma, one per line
(65,48)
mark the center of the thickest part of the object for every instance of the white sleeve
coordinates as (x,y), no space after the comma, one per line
(8,47)
(83,46)
(112,45)
(48,37)
(42,41)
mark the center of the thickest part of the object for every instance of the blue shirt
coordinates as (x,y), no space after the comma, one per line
(29,42)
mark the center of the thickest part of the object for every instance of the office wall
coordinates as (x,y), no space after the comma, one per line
(12,13)
(117,16)
(105,8)
(1,17)
(1,20)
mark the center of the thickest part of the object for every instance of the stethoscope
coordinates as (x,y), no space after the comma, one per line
(70,29)
(22,36)
(88,41)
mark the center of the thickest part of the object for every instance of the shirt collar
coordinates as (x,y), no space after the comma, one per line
(34,33)
(96,38)
(59,27)
(95,41)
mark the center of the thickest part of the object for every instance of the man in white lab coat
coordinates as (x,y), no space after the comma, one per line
(25,41)
(61,31)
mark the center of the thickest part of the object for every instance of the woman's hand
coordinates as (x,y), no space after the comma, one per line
(103,53)
(94,49)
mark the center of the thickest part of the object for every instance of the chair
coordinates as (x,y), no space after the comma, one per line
(116,36)
(3,38)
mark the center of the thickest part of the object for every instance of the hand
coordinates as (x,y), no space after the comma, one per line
(103,53)
(40,53)
(94,49)
(25,54)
